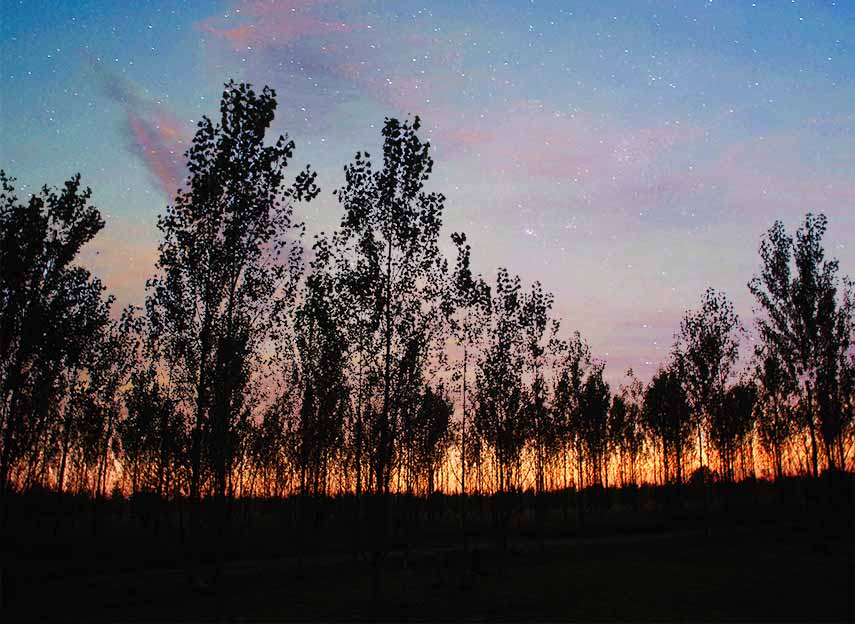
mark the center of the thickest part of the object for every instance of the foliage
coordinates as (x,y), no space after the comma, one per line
(806,327)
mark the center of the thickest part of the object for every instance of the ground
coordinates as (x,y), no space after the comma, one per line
(753,552)
(779,574)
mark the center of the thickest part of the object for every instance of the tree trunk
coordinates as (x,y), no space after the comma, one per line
(463,454)
(814,456)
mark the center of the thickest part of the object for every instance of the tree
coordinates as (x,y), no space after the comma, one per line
(393,275)
(62,384)
(51,313)
(322,357)
(426,436)
(467,308)
(152,434)
(805,326)
(706,349)
(846,402)
(775,403)
(275,443)
(594,404)
(573,364)
(667,414)
(221,292)
(109,368)
(835,374)
(626,428)
(389,256)
(732,424)
(539,340)
(500,413)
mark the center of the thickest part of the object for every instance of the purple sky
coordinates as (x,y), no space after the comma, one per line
(626,154)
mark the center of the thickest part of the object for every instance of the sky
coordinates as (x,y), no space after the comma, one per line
(626,154)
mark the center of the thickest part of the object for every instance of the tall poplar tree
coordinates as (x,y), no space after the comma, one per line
(805,323)
(393,275)
(227,272)
(52,313)
(705,352)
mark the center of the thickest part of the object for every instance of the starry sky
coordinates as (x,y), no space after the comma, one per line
(626,154)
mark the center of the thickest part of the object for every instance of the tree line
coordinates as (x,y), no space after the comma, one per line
(374,364)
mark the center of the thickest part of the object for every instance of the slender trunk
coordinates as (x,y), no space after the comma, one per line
(814,456)
(11,420)
(383,451)
(66,440)
(463,454)
(777,450)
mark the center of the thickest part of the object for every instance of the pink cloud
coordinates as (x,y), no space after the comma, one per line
(240,34)
(273,23)
(330,52)
(160,150)
(153,133)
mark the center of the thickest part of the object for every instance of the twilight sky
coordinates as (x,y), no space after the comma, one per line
(626,154)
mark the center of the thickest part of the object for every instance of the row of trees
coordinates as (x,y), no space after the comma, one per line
(375,364)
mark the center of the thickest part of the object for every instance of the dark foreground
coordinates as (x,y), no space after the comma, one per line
(729,566)
(786,576)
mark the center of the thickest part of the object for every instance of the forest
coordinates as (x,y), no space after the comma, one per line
(361,395)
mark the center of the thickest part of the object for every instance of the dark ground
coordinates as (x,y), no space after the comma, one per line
(777,563)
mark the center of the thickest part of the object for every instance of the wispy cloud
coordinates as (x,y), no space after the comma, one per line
(271,23)
(325,55)
(152,133)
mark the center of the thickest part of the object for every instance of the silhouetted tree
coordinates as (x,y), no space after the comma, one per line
(500,414)
(594,404)
(731,425)
(79,404)
(152,435)
(322,354)
(393,273)
(835,375)
(668,416)
(539,340)
(846,402)
(388,246)
(573,364)
(626,428)
(221,292)
(426,436)
(706,349)
(51,314)
(275,442)
(776,402)
(109,369)
(806,326)
(468,308)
